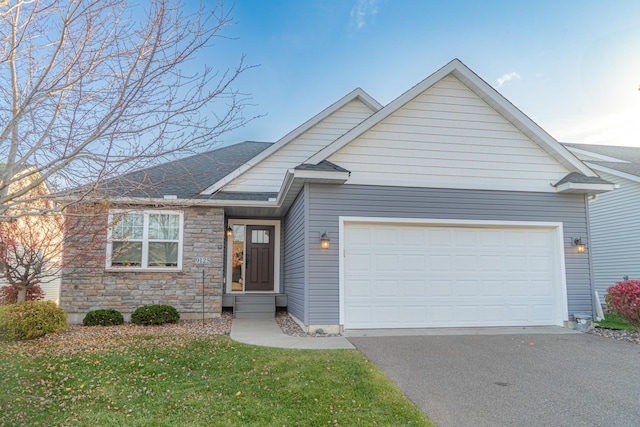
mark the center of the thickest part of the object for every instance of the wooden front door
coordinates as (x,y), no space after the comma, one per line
(259,258)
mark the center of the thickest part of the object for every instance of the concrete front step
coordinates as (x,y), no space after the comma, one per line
(254,306)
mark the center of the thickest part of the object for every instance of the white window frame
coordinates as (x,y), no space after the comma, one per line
(145,239)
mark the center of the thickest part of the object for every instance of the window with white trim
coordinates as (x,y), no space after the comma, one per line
(145,239)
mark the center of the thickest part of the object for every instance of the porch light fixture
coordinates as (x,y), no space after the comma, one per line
(324,241)
(229,231)
(578,244)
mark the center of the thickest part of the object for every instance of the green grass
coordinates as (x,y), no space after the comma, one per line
(173,380)
(614,321)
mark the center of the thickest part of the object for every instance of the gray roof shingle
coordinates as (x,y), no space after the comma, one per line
(184,178)
(629,154)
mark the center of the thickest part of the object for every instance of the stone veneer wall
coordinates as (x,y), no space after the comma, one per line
(87,285)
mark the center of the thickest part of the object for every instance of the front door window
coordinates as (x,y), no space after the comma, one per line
(237,258)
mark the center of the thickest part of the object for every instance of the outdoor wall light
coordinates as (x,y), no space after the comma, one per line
(229,232)
(578,244)
(324,241)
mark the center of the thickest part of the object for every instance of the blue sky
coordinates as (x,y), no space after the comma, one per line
(572,66)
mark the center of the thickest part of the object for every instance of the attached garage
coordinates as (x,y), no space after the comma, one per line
(416,274)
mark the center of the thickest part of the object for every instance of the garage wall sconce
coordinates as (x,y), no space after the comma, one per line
(229,231)
(578,244)
(324,241)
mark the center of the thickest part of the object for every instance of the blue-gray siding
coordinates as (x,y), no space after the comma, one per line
(294,273)
(327,202)
(615,233)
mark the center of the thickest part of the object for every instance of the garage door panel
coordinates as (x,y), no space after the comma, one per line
(415,288)
(541,312)
(388,288)
(359,263)
(386,262)
(465,263)
(414,262)
(448,276)
(491,288)
(465,288)
(440,263)
(490,263)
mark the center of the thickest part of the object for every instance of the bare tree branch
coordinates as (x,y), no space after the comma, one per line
(90,89)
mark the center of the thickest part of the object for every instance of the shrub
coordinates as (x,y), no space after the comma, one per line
(624,299)
(30,319)
(9,294)
(155,315)
(103,317)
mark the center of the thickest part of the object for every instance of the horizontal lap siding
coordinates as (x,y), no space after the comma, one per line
(447,137)
(327,203)
(268,175)
(615,231)
(294,257)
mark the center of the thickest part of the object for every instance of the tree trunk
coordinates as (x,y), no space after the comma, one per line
(22,294)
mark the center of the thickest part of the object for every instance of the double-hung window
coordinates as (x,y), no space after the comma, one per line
(145,240)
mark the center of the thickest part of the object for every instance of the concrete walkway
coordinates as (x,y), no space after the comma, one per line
(267,333)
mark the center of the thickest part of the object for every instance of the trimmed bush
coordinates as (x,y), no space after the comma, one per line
(624,299)
(9,294)
(103,317)
(30,319)
(155,315)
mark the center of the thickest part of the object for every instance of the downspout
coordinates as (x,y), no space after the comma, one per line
(589,252)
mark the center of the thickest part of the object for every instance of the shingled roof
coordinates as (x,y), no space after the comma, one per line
(629,157)
(184,178)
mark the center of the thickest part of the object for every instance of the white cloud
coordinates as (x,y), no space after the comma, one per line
(362,11)
(507,77)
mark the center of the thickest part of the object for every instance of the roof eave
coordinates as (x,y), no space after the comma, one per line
(584,188)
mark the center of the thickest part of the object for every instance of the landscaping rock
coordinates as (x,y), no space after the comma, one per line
(618,334)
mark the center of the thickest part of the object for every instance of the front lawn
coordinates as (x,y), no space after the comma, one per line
(175,380)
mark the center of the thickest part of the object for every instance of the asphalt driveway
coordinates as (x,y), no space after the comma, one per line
(514,380)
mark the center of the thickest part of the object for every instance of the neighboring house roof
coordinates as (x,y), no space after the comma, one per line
(184,178)
(616,160)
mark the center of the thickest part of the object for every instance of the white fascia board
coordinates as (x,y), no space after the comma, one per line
(484,91)
(191,202)
(357,93)
(336,177)
(322,175)
(614,172)
(596,155)
(577,187)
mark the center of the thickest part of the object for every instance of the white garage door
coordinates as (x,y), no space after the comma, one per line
(410,276)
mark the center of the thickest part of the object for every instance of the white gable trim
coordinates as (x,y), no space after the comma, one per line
(596,155)
(484,91)
(614,172)
(358,94)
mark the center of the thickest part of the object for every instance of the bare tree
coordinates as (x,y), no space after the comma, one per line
(90,89)
(32,247)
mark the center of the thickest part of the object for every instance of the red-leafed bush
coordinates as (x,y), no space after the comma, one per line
(624,299)
(9,294)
